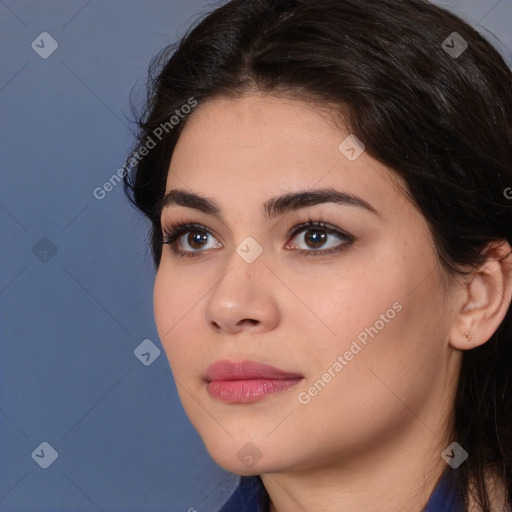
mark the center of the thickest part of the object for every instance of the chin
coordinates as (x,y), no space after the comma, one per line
(242,457)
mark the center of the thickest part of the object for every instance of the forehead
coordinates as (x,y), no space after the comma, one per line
(255,145)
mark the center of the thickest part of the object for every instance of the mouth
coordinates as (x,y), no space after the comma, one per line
(246,381)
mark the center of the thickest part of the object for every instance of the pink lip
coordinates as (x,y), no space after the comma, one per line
(246,381)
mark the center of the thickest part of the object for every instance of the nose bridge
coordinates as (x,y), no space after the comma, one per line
(244,269)
(240,293)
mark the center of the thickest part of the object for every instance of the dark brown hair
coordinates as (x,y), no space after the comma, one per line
(441,122)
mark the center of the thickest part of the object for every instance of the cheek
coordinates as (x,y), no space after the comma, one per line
(162,305)
(343,302)
(390,344)
(377,318)
(173,303)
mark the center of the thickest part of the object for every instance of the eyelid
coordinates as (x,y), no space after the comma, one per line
(320,225)
(172,234)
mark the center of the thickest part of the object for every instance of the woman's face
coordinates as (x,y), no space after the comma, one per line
(363,329)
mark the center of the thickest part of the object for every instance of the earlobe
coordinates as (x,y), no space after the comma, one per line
(485,300)
(468,336)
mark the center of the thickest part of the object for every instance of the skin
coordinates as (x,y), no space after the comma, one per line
(372,438)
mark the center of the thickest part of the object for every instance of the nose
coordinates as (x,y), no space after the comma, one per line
(244,299)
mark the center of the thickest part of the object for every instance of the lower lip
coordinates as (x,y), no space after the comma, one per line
(250,390)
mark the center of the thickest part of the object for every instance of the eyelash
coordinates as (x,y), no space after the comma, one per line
(175,231)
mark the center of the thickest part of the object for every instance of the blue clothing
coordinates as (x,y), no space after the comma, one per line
(250,496)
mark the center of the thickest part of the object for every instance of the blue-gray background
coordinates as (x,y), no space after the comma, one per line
(76,276)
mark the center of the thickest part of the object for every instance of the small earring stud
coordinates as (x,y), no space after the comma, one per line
(468,337)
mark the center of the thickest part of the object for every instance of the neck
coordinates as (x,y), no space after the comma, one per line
(397,475)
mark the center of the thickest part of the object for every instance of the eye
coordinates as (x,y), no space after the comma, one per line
(195,235)
(315,236)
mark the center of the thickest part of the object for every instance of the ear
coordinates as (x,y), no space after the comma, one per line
(485,299)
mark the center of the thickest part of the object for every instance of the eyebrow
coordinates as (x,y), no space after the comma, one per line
(273,207)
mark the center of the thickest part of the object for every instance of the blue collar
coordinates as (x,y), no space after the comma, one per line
(250,496)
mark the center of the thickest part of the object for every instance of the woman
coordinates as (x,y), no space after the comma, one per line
(329,190)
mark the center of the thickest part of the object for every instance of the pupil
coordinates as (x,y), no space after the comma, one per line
(196,237)
(316,238)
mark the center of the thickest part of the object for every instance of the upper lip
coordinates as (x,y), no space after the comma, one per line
(241,370)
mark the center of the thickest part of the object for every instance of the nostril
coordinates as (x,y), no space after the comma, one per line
(248,320)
